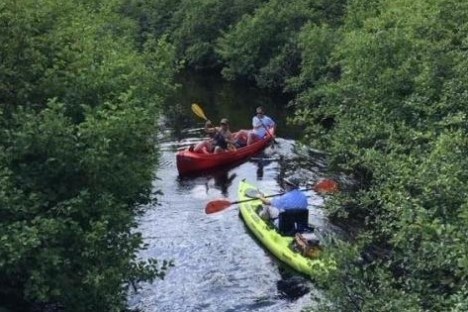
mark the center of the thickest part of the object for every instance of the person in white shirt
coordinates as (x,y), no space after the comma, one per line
(260,128)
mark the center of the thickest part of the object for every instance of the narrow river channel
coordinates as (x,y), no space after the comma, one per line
(218,265)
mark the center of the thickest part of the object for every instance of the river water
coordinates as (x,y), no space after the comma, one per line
(218,265)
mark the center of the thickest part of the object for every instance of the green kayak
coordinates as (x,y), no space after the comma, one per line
(280,246)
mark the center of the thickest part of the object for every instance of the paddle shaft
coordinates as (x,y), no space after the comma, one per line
(268,131)
(273,195)
(221,204)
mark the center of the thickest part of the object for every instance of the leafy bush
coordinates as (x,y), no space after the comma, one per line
(78,153)
(192,26)
(264,45)
(398,127)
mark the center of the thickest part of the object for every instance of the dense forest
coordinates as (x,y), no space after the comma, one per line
(379,85)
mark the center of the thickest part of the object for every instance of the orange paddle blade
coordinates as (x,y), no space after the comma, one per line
(217,205)
(326,186)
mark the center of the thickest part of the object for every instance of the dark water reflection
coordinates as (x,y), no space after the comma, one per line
(218,264)
(220,99)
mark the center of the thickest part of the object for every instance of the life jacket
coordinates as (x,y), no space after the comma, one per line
(220,140)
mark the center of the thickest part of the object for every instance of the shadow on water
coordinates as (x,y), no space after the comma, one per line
(222,178)
(262,160)
(291,286)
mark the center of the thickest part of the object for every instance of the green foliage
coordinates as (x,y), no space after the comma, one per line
(358,289)
(154,18)
(198,23)
(316,44)
(73,55)
(264,45)
(192,26)
(77,152)
(386,100)
(263,37)
(257,40)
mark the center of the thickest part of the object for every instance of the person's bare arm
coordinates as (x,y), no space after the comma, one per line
(209,128)
(229,138)
(264,200)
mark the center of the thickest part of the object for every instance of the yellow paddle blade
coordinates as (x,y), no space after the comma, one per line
(197,110)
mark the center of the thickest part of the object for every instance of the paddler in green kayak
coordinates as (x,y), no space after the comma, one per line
(292,203)
(292,199)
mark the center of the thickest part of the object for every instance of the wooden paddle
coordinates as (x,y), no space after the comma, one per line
(269,133)
(197,110)
(217,205)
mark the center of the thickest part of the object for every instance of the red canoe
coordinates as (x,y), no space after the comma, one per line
(191,163)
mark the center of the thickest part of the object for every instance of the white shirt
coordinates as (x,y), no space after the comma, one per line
(259,125)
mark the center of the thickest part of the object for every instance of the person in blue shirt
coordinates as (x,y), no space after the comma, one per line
(293,198)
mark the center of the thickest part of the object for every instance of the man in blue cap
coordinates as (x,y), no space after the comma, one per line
(293,198)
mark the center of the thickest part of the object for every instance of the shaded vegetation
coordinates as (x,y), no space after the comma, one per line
(399,115)
(192,26)
(78,108)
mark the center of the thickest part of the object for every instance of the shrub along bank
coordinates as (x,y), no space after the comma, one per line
(79,99)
